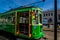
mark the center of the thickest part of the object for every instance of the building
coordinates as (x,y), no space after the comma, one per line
(48,17)
(58,16)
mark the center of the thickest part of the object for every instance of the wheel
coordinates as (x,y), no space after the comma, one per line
(20,39)
(3,38)
(45,38)
(6,36)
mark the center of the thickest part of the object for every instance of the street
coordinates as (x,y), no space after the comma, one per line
(49,34)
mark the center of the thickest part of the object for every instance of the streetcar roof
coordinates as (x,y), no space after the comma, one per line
(21,9)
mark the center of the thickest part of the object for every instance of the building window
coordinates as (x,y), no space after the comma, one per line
(51,14)
(44,14)
(50,20)
(59,16)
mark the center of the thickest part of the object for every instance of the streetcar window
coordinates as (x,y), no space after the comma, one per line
(35,18)
(23,18)
(10,19)
(1,20)
(20,20)
(40,18)
(33,10)
(36,11)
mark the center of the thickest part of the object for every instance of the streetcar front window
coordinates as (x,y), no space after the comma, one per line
(35,17)
(40,18)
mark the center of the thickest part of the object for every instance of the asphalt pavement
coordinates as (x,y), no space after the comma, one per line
(49,33)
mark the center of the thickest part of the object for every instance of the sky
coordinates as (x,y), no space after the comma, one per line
(6,5)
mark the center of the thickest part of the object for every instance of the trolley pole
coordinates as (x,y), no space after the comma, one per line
(55,20)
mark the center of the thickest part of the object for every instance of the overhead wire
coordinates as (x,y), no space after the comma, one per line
(33,3)
(21,5)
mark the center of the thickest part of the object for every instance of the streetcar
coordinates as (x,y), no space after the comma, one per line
(22,22)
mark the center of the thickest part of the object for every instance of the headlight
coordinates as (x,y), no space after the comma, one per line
(40,24)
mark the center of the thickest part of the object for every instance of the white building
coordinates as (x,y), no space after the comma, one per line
(58,16)
(48,16)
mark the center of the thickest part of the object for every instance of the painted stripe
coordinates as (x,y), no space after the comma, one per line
(15,22)
(29,24)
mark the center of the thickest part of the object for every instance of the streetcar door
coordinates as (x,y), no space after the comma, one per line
(23,22)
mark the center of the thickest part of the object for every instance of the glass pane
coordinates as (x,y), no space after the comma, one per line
(20,19)
(7,19)
(40,18)
(35,17)
(23,22)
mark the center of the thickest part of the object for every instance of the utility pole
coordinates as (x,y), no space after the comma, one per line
(55,20)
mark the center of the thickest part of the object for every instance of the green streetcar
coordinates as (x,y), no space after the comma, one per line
(22,22)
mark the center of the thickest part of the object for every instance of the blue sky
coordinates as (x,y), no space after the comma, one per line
(6,5)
